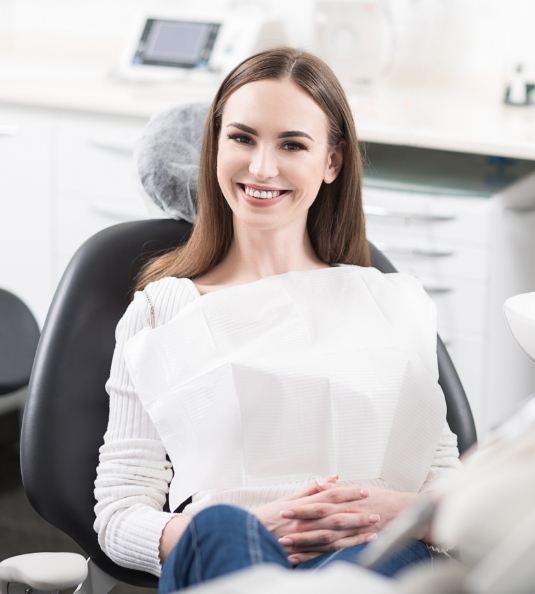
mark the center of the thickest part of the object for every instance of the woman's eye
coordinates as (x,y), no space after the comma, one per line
(240,138)
(294,146)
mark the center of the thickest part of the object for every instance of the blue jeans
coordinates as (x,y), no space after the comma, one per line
(222,539)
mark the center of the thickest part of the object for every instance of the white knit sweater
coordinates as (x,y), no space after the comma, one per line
(134,474)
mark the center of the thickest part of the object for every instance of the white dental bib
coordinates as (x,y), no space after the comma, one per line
(294,376)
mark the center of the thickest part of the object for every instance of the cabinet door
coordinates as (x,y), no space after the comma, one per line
(26,211)
(96,183)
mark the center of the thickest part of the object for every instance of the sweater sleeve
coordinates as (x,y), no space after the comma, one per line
(446,463)
(133,473)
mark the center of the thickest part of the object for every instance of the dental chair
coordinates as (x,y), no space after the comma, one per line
(67,408)
(19,335)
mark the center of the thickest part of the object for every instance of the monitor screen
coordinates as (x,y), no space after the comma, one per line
(182,44)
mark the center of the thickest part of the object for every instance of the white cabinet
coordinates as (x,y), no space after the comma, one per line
(26,219)
(96,182)
(64,177)
(452,220)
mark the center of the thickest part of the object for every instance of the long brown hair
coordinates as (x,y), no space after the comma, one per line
(335,220)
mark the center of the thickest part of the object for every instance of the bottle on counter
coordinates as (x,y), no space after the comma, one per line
(517,87)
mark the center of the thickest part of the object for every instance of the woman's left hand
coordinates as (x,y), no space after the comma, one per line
(305,542)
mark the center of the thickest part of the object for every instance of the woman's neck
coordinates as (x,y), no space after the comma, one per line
(252,260)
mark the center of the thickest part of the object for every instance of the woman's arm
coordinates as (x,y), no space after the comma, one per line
(446,463)
(133,474)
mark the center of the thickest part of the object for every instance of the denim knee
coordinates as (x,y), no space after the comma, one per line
(219,520)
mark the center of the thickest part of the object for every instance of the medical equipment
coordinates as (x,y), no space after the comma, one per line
(520,313)
(354,38)
(174,45)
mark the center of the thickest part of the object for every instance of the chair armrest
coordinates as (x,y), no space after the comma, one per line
(43,571)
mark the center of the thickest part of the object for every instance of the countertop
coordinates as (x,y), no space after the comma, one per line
(78,75)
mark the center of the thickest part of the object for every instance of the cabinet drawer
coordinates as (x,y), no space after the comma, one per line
(461,307)
(465,221)
(439,259)
(98,161)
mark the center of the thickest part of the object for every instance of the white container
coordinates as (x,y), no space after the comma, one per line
(520,314)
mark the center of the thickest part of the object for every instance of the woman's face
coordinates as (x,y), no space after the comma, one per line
(273,153)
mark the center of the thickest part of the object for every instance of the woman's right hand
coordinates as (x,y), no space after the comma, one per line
(334,528)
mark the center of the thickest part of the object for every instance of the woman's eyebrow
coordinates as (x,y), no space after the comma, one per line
(287,134)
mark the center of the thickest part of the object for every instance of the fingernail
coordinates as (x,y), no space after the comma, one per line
(371,537)
(287,513)
(285,541)
(364,493)
(293,560)
(333,477)
(374,517)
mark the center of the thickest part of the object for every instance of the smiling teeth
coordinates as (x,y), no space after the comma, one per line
(261,194)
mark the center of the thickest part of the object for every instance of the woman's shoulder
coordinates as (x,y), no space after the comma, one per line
(376,279)
(169,286)
(398,294)
(159,301)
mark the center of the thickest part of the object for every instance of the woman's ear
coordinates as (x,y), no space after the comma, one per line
(335,160)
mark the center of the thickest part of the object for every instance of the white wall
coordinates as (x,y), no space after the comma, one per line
(471,39)
(481,38)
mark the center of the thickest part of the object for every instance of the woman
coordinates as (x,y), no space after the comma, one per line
(291,387)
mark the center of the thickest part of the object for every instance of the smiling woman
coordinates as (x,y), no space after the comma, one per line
(278,390)
(285,151)
(279,122)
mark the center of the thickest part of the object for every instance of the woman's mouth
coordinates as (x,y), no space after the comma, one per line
(264,195)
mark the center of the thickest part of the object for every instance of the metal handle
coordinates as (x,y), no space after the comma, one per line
(111,146)
(8,130)
(423,252)
(417,217)
(437,289)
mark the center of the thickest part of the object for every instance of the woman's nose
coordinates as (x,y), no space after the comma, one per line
(263,163)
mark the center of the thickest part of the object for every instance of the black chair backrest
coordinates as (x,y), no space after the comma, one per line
(67,408)
(19,335)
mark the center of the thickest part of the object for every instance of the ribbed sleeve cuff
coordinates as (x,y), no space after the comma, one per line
(135,538)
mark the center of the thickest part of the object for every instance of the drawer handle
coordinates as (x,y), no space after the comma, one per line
(111,147)
(400,250)
(7,130)
(438,289)
(417,217)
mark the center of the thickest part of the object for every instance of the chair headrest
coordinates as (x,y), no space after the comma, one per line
(167,156)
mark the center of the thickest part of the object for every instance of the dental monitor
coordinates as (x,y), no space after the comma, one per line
(176,46)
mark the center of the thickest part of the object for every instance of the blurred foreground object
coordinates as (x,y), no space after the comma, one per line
(520,314)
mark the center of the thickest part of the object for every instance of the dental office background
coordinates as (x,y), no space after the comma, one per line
(450,176)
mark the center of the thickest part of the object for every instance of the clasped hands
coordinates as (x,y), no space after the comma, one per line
(326,517)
